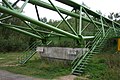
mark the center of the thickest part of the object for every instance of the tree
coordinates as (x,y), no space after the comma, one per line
(114,16)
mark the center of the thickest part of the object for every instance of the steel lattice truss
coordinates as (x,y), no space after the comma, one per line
(80,13)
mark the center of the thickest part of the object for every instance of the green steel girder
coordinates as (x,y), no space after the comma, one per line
(63,18)
(103,29)
(11,7)
(90,12)
(16,14)
(29,29)
(37,12)
(59,24)
(91,19)
(23,6)
(80,23)
(85,27)
(48,6)
(64,11)
(20,10)
(20,30)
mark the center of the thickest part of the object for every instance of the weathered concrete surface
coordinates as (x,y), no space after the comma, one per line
(60,52)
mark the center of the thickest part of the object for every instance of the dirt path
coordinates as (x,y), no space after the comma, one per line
(5,75)
(68,77)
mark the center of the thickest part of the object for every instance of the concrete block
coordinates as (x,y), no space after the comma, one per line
(60,52)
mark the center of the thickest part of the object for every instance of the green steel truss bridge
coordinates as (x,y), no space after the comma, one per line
(104,28)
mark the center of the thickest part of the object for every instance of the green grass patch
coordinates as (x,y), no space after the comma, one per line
(104,67)
(35,67)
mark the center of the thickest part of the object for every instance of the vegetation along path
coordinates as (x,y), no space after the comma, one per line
(5,75)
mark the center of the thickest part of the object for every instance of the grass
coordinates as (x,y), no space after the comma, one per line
(103,66)
(35,67)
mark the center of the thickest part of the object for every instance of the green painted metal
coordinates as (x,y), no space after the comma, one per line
(29,52)
(23,6)
(37,12)
(60,23)
(90,18)
(64,11)
(32,28)
(29,29)
(63,18)
(80,23)
(16,14)
(105,29)
(114,28)
(7,4)
(21,31)
(85,27)
(79,63)
(20,11)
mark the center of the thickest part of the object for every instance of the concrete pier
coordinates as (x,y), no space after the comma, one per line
(60,52)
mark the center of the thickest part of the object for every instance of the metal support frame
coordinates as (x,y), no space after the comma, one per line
(63,18)
(37,12)
(114,28)
(104,25)
(80,23)
(103,30)
(30,30)
(85,27)
(60,23)
(21,31)
(33,29)
(23,6)
(5,10)
(11,7)
(91,19)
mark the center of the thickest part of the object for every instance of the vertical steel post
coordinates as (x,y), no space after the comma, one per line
(76,22)
(37,12)
(103,29)
(114,27)
(80,22)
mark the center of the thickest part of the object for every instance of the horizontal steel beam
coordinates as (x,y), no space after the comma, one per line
(64,11)
(90,12)
(40,31)
(21,31)
(39,23)
(49,6)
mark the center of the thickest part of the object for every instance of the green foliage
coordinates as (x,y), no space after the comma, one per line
(12,41)
(36,67)
(104,67)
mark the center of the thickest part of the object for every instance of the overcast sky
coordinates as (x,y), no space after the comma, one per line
(105,6)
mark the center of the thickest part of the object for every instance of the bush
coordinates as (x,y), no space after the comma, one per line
(7,45)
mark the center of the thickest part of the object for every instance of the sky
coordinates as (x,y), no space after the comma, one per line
(105,6)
